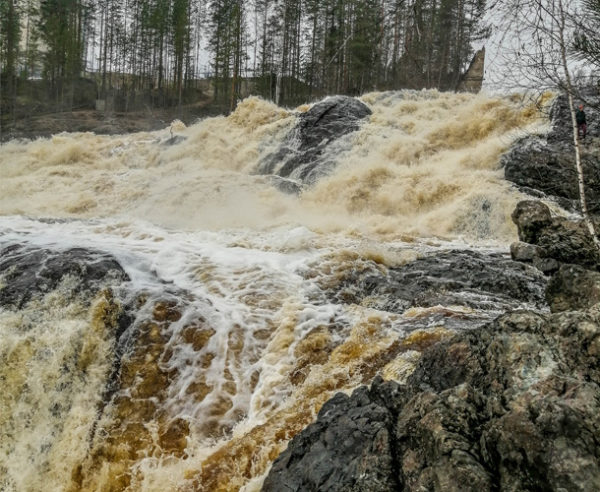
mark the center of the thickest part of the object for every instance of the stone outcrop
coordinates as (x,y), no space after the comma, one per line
(556,240)
(563,248)
(544,165)
(573,288)
(305,154)
(512,406)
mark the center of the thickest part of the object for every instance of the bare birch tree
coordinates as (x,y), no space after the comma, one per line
(540,59)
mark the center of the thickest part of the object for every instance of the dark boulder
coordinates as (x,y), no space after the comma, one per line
(306,153)
(563,248)
(531,217)
(556,238)
(348,448)
(546,265)
(569,241)
(524,252)
(27,272)
(512,406)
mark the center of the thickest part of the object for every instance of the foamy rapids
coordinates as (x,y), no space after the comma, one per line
(235,345)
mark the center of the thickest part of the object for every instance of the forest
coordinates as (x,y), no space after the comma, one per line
(63,55)
(165,53)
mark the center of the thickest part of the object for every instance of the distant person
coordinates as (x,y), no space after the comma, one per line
(581,123)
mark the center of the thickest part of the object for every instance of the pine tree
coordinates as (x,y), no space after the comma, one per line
(9,52)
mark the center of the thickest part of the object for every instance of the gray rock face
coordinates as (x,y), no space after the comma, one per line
(546,163)
(561,117)
(563,248)
(303,157)
(27,272)
(512,406)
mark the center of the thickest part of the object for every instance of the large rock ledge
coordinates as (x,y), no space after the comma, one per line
(512,406)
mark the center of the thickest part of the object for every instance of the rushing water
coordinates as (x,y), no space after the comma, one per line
(235,337)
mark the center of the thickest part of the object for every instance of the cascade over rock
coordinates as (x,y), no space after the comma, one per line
(512,406)
(302,156)
(204,318)
(546,163)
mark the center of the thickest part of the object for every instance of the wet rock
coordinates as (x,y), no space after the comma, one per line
(306,154)
(531,216)
(569,242)
(573,288)
(557,238)
(561,116)
(174,140)
(520,251)
(166,311)
(173,439)
(546,265)
(546,162)
(511,406)
(468,278)
(27,272)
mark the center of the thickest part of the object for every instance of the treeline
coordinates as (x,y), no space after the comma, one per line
(160,52)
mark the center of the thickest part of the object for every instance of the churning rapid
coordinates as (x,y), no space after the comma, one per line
(169,318)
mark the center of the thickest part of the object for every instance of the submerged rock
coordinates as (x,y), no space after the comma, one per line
(305,154)
(286,185)
(512,406)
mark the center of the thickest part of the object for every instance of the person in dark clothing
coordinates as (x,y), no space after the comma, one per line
(581,123)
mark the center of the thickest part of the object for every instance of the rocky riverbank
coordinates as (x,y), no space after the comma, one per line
(514,405)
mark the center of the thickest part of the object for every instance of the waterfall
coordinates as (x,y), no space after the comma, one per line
(169,319)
